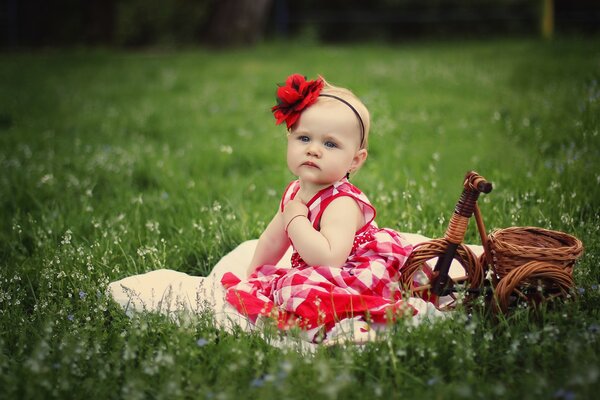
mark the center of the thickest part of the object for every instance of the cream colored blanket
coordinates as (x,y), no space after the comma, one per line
(181,296)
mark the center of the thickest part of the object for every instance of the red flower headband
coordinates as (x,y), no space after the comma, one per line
(297,94)
(294,97)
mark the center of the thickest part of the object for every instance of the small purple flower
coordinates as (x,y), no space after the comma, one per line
(257,382)
(595,286)
(70,317)
(201,342)
(594,328)
(581,290)
(564,394)
(82,294)
(432,381)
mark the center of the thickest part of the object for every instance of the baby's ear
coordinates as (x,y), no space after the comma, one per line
(359,158)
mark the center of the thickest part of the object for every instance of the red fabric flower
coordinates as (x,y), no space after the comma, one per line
(294,97)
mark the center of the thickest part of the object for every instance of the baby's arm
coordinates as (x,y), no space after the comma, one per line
(272,244)
(331,245)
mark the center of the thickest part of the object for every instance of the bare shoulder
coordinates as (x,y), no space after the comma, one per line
(343,208)
(343,203)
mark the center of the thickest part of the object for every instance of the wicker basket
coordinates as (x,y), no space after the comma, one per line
(534,283)
(416,268)
(516,246)
(532,264)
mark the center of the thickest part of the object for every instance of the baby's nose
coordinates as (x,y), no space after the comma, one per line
(314,149)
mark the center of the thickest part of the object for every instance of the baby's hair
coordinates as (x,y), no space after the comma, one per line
(354,101)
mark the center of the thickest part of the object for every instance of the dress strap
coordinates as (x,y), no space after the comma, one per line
(339,189)
(289,193)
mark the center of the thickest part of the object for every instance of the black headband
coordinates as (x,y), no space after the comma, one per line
(362,125)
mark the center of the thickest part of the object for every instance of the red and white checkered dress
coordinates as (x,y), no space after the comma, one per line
(309,297)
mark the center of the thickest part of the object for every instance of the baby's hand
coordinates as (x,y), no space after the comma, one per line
(292,209)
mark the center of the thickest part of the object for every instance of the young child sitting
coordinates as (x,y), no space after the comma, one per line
(343,265)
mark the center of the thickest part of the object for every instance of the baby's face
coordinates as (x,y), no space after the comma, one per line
(324,144)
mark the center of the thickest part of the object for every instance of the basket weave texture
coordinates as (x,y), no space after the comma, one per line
(415,268)
(516,246)
(526,258)
(547,280)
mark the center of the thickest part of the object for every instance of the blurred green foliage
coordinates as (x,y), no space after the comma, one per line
(184,22)
(163,22)
(337,20)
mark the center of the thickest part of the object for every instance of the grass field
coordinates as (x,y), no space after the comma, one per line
(116,163)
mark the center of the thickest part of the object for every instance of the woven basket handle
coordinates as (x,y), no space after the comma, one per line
(474,181)
(474,184)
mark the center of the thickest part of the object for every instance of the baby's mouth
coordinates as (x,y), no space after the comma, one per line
(310,164)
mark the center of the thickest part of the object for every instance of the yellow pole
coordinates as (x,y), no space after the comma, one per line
(547,19)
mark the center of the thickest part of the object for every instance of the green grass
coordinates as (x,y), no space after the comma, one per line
(116,163)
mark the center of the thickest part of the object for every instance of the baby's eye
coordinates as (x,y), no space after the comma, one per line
(330,144)
(304,139)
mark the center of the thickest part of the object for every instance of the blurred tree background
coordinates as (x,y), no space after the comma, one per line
(130,23)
